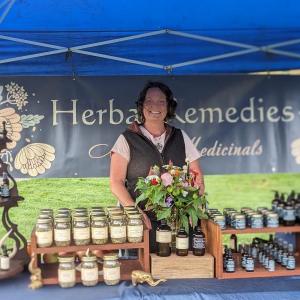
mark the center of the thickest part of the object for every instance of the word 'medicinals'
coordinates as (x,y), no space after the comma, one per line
(252,111)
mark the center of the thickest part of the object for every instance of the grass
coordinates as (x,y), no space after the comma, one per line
(223,191)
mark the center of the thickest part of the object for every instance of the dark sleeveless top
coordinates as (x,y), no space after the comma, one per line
(144,154)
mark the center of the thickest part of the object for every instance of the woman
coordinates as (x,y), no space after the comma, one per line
(150,142)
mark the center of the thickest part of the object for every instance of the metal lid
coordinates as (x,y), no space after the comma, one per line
(117,217)
(89,258)
(272,214)
(219,217)
(97,213)
(62,218)
(81,218)
(65,258)
(110,256)
(99,218)
(44,220)
(239,216)
(256,216)
(134,216)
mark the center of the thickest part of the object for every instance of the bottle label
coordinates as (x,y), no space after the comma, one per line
(163,236)
(182,243)
(100,233)
(289,215)
(291,263)
(272,222)
(89,274)
(117,232)
(44,237)
(81,233)
(240,224)
(198,242)
(249,265)
(62,235)
(271,265)
(284,259)
(230,267)
(257,222)
(66,276)
(232,244)
(111,273)
(135,231)
(5,191)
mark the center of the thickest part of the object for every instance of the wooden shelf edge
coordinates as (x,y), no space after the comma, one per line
(259,274)
(286,229)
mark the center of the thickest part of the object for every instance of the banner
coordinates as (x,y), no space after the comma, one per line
(65,127)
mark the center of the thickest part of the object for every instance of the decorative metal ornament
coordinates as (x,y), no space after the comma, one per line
(138,276)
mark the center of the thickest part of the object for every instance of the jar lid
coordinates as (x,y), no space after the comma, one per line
(66,258)
(90,258)
(64,209)
(257,216)
(44,220)
(272,215)
(117,217)
(239,216)
(134,216)
(110,256)
(62,218)
(81,218)
(219,217)
(46,210)
(99,218)
(116,213)
(80,214)
(97,213)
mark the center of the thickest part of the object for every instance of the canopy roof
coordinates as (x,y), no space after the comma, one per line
(108,37)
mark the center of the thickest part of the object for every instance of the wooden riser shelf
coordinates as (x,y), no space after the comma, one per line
(50,271)
(215,245)
(283,229)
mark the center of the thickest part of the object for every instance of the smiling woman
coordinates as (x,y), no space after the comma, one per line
(149,142)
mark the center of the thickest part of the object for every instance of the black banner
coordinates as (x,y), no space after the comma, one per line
(65,127)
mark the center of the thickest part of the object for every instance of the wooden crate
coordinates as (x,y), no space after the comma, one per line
(175,267)
(215,235)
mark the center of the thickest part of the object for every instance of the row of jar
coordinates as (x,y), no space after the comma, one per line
(98,229)
(89,270)
(247,217)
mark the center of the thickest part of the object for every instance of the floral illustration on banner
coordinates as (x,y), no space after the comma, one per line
(34,158)
(296,150)
(172,194)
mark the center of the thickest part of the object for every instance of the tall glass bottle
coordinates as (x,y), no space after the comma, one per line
(198,241)
(163,239)
(233,243)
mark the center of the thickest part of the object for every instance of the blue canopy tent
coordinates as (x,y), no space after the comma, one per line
(158,37)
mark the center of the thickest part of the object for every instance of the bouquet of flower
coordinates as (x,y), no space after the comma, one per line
(171,194)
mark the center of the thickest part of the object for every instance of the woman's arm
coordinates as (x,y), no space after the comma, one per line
(195,166)
(118,170)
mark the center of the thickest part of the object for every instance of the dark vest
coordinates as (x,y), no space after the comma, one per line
(144,154)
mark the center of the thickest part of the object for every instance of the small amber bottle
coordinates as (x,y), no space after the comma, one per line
(182,243)
(163,239)
(198,241)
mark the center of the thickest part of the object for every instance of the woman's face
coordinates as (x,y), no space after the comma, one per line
(155,105)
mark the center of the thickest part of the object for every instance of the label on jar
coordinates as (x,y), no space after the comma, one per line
(81,233)
(62,235)
(182,243)
(117,232)
(89,274)
(163,236)
(44,237)
(291,263)
(230,266)
(289,215)
(199,243)
(111,273)
(66,276)
(272,222)
(4,263)
(135,231)
(100,233)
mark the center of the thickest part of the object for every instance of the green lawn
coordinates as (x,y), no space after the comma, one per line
(223,191)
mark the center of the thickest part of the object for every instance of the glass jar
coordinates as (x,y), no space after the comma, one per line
(220,220)
(44,232)
(64,210)
(111,269)
(81,230)
(272,220)
(239,221)
(99,229)
(66,271)
(257,221)
(89,270)
(62,231)
(117,229)
(135,228)
(46,211)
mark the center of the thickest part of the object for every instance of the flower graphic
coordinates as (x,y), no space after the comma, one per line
(34,159)
(16,95)
(12,124)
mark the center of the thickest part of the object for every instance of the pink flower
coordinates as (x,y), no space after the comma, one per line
(166,179)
